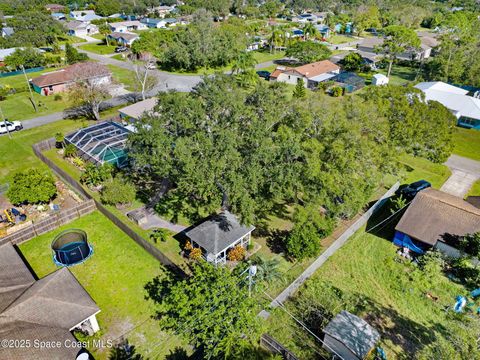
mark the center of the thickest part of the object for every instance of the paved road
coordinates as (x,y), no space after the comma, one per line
(464,174)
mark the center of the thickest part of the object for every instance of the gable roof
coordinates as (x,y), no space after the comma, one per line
(452,97)
(434,214)
(71,73)
(309,70)
(75,24)
(8,31)
(218,232)
(125,23)
(136,110)
(43,310)
(353,332)
(125,35)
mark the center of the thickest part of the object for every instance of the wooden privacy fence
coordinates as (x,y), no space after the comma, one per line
(51,222)
(48,144)
(275,347)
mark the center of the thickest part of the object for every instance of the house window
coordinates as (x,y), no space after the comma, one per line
(50,88)
(288,77)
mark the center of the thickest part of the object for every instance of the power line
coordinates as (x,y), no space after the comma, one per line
(388,218)
(303,325)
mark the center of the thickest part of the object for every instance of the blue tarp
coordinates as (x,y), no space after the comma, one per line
(403,240)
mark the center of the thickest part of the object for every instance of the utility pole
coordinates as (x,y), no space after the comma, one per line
(252,271)
(30,89)
(5,122)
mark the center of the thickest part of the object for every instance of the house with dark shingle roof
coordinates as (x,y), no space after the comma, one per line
(41,310)
(438,220)
(219,234)
(349,337)
(59,81)
(310,74)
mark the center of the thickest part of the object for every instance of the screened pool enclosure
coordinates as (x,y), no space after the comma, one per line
(101,143)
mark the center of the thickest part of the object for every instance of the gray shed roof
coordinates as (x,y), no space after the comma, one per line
(218,232)
(355,333)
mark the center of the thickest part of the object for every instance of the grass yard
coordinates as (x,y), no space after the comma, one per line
(363,278)
(467,143)
(400,75)
(262,56)
(339,39)
(19,107)
(415,168)
(475,190)
(16,154)
(115,277)
(124,76)
(119,57)
(99,48)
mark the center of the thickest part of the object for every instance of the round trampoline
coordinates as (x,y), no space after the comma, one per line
(71,247)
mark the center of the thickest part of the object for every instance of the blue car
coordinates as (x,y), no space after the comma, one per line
(411,190)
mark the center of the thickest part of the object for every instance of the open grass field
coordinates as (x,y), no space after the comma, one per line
(98,48)
(475,190)
(467,143)
(363,278)
(124,76)
(415,168)
(400,75)
(262,56)
(115,277)
(339,39)
(16,154)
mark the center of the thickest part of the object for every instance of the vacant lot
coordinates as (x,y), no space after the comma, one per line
(99,48)
(364,278)
(467,143)
(114,276)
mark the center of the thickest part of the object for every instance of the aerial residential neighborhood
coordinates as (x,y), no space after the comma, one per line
(224,179)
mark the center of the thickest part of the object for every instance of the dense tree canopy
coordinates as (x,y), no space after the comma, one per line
(32,187)
(308,51)
(260,149)
(211,309)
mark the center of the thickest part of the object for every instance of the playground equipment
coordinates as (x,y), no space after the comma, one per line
(71,247)
(460,304)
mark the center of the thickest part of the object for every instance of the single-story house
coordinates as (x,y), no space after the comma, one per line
(126,26)
(125,39)
(159,23)
(435,219)
(162,10)
(379,80)
(59,16)
(7,31)
(311,74)
(324,30)
(44,310)
(349,337)
(85,15)
(219,234)
(349,80)
(80,28)
(58,81)
(427,43)
(304,18)
(55,8)
(465,108)
(135,111)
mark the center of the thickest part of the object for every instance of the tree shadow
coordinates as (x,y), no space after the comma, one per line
(382,223)
(124,351)
(177,354)
(276,240)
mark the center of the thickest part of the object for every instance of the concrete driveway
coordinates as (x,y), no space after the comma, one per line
(465,172)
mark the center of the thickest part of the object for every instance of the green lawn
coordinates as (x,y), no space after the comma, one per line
(16,154)
(114,276)
(415,168)
(339,39)
(119,57)
(475,190)
(467,143)
(100,48)
(400,75)
(264,56)
(363,278)
(124,76)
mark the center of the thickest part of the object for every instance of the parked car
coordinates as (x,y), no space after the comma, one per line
(10,126)
(411,190)
(120,49)
(264,74)
(151,66)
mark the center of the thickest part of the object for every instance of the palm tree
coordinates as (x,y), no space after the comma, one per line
(267,269)
(243,62)
(309,29)
(275,38)
(104,29)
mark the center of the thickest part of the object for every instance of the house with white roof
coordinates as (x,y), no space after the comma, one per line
(127,26)
(466,108)
(379,80)
(85,15)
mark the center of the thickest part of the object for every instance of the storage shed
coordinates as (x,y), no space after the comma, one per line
(379,80)
(349,336)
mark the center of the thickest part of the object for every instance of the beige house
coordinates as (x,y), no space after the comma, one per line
(310,74)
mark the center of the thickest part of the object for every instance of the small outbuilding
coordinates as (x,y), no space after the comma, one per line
(350,337)
(217,235)
(379,80)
